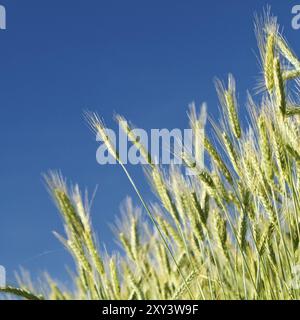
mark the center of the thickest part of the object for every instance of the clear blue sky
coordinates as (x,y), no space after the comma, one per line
(143,59)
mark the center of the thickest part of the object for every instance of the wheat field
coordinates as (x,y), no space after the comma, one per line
(230,231)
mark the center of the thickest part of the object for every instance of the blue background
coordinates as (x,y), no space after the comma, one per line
(146,60)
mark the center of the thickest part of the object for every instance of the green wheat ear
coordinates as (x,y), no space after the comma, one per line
(218,159)
(287,53)
(21,293)
(269,62)
(229,104)
(279,87)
